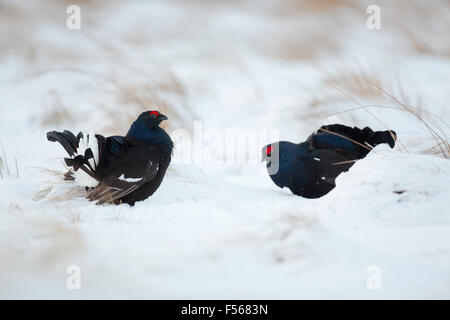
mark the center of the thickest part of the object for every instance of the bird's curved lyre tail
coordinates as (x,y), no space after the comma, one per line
(353,142)
(365,136)
(84,156)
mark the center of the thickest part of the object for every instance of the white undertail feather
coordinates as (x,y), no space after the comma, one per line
(89,141)
(131,180)
(93,145)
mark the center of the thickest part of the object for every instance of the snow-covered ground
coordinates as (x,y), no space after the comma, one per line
(218,227)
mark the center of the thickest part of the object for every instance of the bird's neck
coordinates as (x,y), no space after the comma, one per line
(139,130)
(156,135)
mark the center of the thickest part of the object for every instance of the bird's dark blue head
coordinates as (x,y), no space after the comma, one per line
(146,126)
(151,119)
(280,156)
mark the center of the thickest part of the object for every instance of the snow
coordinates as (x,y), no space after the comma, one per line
(218,227)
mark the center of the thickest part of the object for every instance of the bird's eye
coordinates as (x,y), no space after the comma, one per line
(269,150)
(154,113)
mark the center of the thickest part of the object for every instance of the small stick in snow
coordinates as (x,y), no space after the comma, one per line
(344,162)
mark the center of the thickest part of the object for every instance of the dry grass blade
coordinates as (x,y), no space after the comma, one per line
(4,162)
(373,106)
(14,206)
(1,167)
(368,111)
(344,162)
(55,173)
(17,168)
(436,136)
(431,149)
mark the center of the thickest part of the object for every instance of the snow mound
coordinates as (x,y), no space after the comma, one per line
(387,211)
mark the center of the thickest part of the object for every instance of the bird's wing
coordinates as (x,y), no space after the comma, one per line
(350,142)
(124,167)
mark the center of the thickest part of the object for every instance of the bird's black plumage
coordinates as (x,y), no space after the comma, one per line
(122,169)
(309,169)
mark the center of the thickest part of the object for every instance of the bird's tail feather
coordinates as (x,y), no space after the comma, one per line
(378,137)
(67,139)
(374,138)
(82,149)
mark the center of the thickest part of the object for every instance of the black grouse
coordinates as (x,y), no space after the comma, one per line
(309,169)
(119,169)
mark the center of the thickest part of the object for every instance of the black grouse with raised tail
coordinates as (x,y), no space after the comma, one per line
(119,169)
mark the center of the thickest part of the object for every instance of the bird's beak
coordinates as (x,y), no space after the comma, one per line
(163,117)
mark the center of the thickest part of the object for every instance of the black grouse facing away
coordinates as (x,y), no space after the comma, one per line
(309,169)
(119,169)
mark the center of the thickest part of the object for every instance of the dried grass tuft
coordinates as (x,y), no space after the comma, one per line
(358,82)
(419,20)
(363,86)
(435,132)
(166,95)
(57,113)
